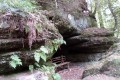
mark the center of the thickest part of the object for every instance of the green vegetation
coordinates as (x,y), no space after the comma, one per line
(26,10)
(107,14)
(17,5)
(41,59)
(15,60)
(41,53)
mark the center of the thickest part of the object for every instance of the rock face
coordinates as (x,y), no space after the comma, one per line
(17,42)
(89,45)
(78,27)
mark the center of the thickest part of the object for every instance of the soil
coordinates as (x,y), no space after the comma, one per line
(73,73)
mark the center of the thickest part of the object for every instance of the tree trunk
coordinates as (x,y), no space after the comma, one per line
(113,14)
(100,18)
(96,7)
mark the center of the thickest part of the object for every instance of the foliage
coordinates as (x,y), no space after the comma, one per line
(56,76)
(51,70)
(56,43)
(31,67)
(15,60)
(45,50)
(41,53)
(30,20)
(16,5)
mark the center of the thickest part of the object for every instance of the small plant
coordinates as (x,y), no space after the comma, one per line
(15,60)
(51,70)
(31,68)
(41,54)
(56,76)
(57,42)
(43,51)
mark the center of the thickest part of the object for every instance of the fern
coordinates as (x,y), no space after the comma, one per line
(57,42)
(41,53)
(15,60)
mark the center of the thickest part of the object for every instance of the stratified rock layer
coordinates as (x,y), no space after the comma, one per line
(17,42)
(89,45)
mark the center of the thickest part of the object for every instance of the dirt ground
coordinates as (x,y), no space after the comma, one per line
(73,73)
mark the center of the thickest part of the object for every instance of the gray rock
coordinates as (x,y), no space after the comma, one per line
(111,68)
(90,72)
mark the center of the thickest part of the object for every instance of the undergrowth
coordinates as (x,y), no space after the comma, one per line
(41,57)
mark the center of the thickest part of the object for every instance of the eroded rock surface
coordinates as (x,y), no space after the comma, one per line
(24,43)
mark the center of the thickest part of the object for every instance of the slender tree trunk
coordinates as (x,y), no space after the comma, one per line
(100,18)
(114,15)
(96,7)
(98,10)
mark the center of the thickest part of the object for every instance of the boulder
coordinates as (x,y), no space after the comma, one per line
(111,68)
(89,72)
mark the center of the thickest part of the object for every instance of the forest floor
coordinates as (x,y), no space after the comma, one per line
(73,73)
